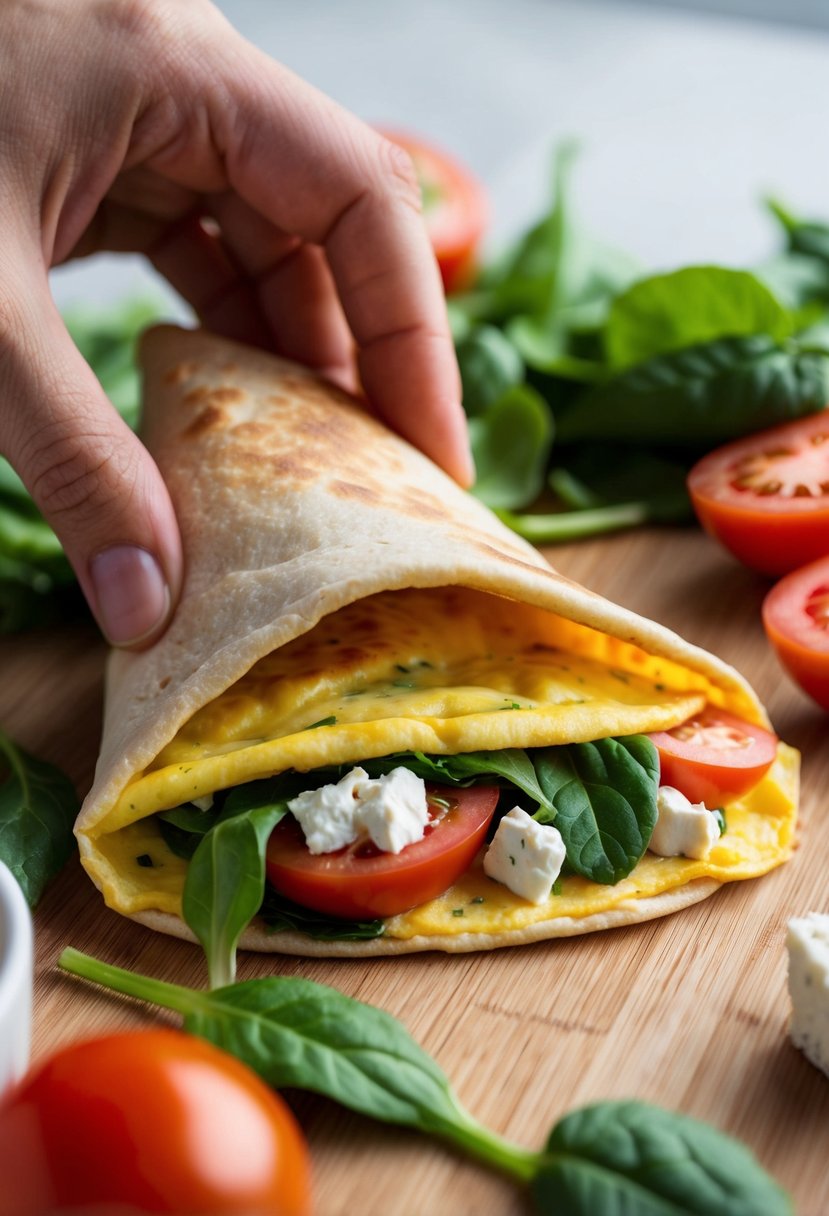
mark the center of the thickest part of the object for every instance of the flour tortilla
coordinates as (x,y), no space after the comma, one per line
(293,502)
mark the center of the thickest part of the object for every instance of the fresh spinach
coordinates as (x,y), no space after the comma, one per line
(603,796)
(38,807)
(624,1158)
(511,766)
(631,1159)
(689,307)
(225,880)
(489,365)
(511,445)
(703,395)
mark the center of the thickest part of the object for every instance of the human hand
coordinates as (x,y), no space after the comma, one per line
(153,126)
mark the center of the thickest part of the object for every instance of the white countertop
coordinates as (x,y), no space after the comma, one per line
(686,119)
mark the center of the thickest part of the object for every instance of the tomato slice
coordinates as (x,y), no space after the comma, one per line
(454,208)
(714,757)
(766,497)
(796,620)
(360,881)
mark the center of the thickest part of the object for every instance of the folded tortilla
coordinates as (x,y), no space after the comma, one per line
(343,600)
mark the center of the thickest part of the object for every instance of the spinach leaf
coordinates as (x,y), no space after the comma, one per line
(225,879)
(703,395)
(297,1033)
(689,307)
(631,1159)
(512,766)
(489,366)
(604,799)
(279,914)
(562,526)
(610,1159)
(511,446)
(38,808)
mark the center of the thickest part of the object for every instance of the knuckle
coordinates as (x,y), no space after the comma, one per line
(398,173)
(76,473)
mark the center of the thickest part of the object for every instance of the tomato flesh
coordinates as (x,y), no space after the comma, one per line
(360,881)
(714,757)
(766,497)
(796,621)
(454,208)
(150,1121)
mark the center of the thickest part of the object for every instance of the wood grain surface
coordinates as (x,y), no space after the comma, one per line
(689,1012)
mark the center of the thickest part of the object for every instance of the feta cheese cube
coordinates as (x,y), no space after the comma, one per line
(525,856)
(393,810)
(808,946)
(683,828)
(327,815)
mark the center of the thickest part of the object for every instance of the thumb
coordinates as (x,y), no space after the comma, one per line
(89,475)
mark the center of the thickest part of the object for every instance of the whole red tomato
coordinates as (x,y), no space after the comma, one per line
(149,1121)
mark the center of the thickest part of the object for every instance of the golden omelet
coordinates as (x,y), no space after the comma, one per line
(440,671)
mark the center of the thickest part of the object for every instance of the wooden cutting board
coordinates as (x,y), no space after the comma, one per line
(689,1012)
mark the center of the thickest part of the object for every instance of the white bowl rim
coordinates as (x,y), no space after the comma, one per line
(15,941)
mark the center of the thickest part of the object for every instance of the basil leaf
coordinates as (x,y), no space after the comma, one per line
(632,1159)
(703,395)
(279,913)
(225,880)
(604,800)
(689,307)
(38,808)
(511,446)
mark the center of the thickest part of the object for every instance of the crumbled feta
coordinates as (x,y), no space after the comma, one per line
(391,811)
(204,804)
(683,828)
(327,815)
(525,856)
(808,946)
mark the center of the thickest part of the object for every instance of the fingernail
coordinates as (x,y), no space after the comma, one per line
(131,594)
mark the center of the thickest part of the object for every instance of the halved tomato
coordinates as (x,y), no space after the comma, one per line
(766,497)
(361,881)
(796,620)
(454,208)
(714,757)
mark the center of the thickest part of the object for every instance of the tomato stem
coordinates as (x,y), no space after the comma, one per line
(169,996)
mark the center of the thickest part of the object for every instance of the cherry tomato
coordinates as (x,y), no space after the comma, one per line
(454,208)
(766,497)
(150,1121)
(796,620)
(714,757)
(360,881)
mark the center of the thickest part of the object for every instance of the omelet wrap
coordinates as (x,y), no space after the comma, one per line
(345,600)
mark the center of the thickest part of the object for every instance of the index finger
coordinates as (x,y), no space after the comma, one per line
(314,169)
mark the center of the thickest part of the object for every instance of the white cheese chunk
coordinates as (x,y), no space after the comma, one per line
(525,856)
(391,811)
(808,946)
(683,828)
(327,815)
(204,804)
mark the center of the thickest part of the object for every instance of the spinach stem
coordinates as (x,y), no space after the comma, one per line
(466,1133)
(573,525)
(169,996)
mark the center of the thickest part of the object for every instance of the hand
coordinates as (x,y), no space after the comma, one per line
(152,125)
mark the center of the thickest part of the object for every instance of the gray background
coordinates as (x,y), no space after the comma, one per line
(686,118)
